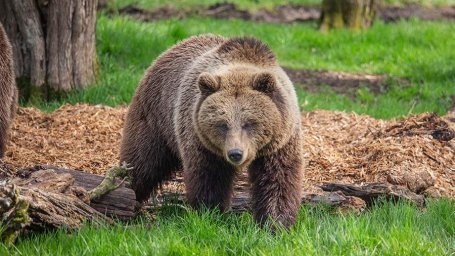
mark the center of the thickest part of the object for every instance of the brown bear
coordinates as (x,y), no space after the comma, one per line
(8,89)
(217,106)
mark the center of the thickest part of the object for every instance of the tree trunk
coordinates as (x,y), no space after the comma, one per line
(53,42)
(351,14)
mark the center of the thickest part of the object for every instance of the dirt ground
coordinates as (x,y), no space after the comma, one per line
(341,82)
(283,13)
(339,147)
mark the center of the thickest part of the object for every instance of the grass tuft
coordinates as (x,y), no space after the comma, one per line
(386,229)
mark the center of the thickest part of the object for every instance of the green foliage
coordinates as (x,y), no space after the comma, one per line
(387,229)
(419,51)
(192,4)
(249,4)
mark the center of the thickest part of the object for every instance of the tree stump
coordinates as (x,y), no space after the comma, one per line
(53,43)
(351,14)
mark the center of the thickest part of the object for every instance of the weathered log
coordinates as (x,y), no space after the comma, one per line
(416,181)
(342,203)
(119,203)
(13,213)
(50,197)
(241,201)
(373,191)
(55,200)
(41,200)
(46,197)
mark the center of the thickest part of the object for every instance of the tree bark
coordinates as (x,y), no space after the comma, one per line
(41,200)
(119,203)
(351,14)
(53,42)
(46,197)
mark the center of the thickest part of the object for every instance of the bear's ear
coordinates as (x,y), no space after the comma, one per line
(207,83)
(264,82)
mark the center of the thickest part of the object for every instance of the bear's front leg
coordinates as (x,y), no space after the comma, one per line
(209,180)
(4,122)
(276,185)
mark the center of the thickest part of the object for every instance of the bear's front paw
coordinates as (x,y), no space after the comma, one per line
(277,221)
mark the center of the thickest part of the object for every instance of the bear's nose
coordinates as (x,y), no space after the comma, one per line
(235,155)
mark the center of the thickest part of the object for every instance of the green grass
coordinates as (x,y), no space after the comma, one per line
(386,229)
(248,4)
(419,51)
(191,4)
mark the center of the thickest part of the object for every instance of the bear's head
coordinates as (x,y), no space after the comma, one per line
(238,113)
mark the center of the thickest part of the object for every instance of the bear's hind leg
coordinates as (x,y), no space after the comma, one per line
(209,181)
(276,185)
(151,160)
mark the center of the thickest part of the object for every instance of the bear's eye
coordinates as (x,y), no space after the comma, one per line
(222,127)
(249,125)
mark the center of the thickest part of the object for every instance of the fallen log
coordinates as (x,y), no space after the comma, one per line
(119,203)
(241,201)
(51,197)
(41,200)
(372,191)
(340,202)
(47,197)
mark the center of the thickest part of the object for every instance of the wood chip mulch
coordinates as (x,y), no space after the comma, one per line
(339,147)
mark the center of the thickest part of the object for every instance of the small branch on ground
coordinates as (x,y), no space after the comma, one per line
(109,182)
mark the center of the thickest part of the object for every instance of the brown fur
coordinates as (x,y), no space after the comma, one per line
(8,89)
(200,100)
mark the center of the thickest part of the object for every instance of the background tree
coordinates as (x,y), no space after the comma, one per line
(352,14)
(53,42)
